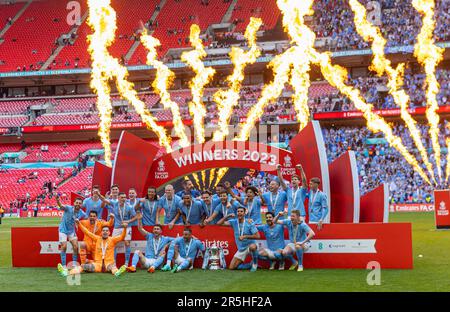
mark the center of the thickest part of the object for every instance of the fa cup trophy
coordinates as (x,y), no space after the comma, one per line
(214,259)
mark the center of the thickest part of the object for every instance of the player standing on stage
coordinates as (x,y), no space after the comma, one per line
(245,234)
(169,203)
(94,203)
(104,253)
(208,207)
(191,210)
(296,194)
(94,225)
(223,208)
(148,206)
(299,235)
(317,204)
(155,250)
(183,251)
(67,228)
(274,234)
(132,201)
(275,198)
(188,188)
(253,201)
(123,213)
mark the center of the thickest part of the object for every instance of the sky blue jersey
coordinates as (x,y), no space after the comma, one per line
(274,236)
(155,246)
(244,228)
(67,224)
(170,208)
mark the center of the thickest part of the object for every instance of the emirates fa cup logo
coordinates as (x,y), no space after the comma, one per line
(161,166)
(287,161)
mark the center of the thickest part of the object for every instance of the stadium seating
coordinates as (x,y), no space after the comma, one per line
(78,183)
(267,10)
(13,121)
(10,189)
(179,15)
(8,11)
(47,17)
(58,151)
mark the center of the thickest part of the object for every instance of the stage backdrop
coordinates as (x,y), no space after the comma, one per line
(335,246)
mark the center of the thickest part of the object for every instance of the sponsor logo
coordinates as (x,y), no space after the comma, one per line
(442,211)
(287,161)
(161,172)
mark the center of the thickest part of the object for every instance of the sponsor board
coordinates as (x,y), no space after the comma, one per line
(411,207)
(342,245)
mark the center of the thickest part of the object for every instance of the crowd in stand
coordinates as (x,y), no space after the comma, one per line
(400,23)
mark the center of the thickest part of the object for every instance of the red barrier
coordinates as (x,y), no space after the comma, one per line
(335,246)
(134,158)
(102,177)
(345,195)
(375,206)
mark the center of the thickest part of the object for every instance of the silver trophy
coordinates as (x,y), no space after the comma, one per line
(214,259)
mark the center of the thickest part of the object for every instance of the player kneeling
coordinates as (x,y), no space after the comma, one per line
(103,253)
(155,250)
(299,235)
(184,250)
(245,233)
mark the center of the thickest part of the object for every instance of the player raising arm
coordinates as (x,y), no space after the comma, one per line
(299,236)
(245,234)
(155,250)
(296,194)
(94,225)
(104,253)
(67,228)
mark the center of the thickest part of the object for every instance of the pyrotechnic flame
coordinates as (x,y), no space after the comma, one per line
(204,179)
(304,41)
(380,64)
(296,57)
(227,99)
(102,20)
(220,174)
(203,76)
(270,92)
(337,75)
(196,181)
(429,55)
(163,80)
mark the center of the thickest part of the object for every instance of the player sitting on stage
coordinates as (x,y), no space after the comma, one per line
(299,242)
(95,226)
(67,229)
(274,234)
(103,252)
(155,250)
(183,250)
(245,233)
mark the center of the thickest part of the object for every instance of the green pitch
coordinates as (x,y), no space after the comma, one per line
(431,271)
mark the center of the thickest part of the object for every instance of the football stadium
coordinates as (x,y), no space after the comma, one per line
(224,145)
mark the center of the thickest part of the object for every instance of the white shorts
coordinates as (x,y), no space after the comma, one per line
(241,255)
(270,254)
(179,260)
(118,232)
(63,237)
(148,263)
(306,246)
